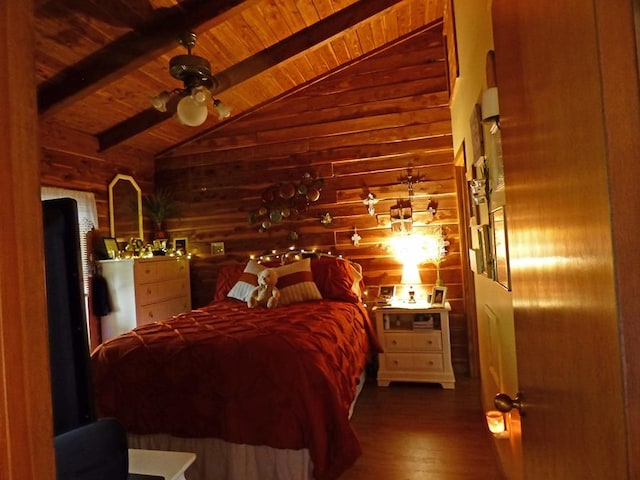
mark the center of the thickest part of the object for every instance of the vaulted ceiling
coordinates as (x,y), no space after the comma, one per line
(98,63)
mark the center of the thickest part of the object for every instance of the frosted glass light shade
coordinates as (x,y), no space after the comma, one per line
(190,112)
(223,110)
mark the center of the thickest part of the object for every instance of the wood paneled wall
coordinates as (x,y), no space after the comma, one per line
(69,160)
(360,130)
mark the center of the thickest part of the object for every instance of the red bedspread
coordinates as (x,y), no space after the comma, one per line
(282,377)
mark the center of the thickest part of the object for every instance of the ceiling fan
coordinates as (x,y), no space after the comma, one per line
(191,102)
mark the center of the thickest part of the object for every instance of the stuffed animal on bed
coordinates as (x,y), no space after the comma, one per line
(266,294)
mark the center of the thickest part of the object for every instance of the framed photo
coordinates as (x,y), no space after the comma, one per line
(500,248)
(438,296)
(217,248)
(111,247)
(180,245)
(387,292)
(136,244)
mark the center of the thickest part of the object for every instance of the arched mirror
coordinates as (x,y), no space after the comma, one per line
(125,208)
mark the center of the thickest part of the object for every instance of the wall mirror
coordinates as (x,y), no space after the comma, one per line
(125,208)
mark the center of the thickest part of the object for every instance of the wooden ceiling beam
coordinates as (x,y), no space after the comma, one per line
(133,50)
(297,43)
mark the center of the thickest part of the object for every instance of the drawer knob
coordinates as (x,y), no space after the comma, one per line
(394,342)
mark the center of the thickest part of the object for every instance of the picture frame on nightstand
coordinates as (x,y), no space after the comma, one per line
(438,296)
(387,292)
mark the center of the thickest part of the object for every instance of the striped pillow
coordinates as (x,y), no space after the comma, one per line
(295,282)
(247,282)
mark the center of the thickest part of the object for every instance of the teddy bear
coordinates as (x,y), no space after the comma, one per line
(266,294)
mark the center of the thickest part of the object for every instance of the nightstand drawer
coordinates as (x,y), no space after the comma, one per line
(413,361)
(417,342)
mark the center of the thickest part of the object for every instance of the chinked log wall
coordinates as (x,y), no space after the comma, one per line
(359,130)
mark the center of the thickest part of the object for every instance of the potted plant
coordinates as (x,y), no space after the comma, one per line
(158,206)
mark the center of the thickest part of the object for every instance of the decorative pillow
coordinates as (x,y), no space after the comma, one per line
(227,277)
(336,279)
(247,281)
(295,282)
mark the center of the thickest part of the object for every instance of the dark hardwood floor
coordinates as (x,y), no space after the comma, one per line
(412,431)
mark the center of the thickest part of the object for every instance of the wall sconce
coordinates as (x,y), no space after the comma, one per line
(496,423)
(491,108)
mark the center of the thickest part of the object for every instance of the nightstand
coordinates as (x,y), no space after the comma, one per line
(416,345)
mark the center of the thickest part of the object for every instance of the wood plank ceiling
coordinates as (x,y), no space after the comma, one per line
(99,63)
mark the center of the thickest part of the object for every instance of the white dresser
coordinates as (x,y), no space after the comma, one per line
(144,290)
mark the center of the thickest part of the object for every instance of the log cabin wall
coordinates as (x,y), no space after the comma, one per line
(69,160)
(361,130)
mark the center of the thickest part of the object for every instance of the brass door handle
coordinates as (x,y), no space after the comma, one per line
(505,403)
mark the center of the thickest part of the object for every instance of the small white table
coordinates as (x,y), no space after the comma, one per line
(170,465)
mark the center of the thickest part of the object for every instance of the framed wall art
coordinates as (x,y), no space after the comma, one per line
(500,248)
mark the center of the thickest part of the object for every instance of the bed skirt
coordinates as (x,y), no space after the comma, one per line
(220,460)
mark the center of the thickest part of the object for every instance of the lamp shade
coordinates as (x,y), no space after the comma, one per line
(410,274)
(190,112)
(489,105)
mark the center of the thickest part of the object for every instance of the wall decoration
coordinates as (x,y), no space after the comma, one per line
(500,248)
(370,202)
(285,201)
(326,219)
(481,245)
(217,248)
(477,141)
(355,238)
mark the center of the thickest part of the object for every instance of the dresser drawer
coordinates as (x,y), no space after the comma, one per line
(431,362)
(162,310)
(160,291)
(154,271)
(415,342)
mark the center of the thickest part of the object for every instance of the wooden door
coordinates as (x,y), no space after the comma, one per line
(26,427)
(568,81)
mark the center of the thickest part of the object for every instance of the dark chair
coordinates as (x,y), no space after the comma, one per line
(96,451)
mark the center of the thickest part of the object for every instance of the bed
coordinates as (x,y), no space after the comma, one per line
(256,393)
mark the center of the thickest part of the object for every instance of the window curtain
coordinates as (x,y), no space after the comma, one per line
(87,221)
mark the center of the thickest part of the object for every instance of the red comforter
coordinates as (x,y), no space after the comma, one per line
(282,377)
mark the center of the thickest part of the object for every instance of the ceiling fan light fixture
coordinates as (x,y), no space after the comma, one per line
(160,101)
(198,83)
(223,110)
(201,95)
(190,112)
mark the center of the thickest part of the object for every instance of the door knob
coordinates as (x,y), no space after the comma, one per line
(505,403)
